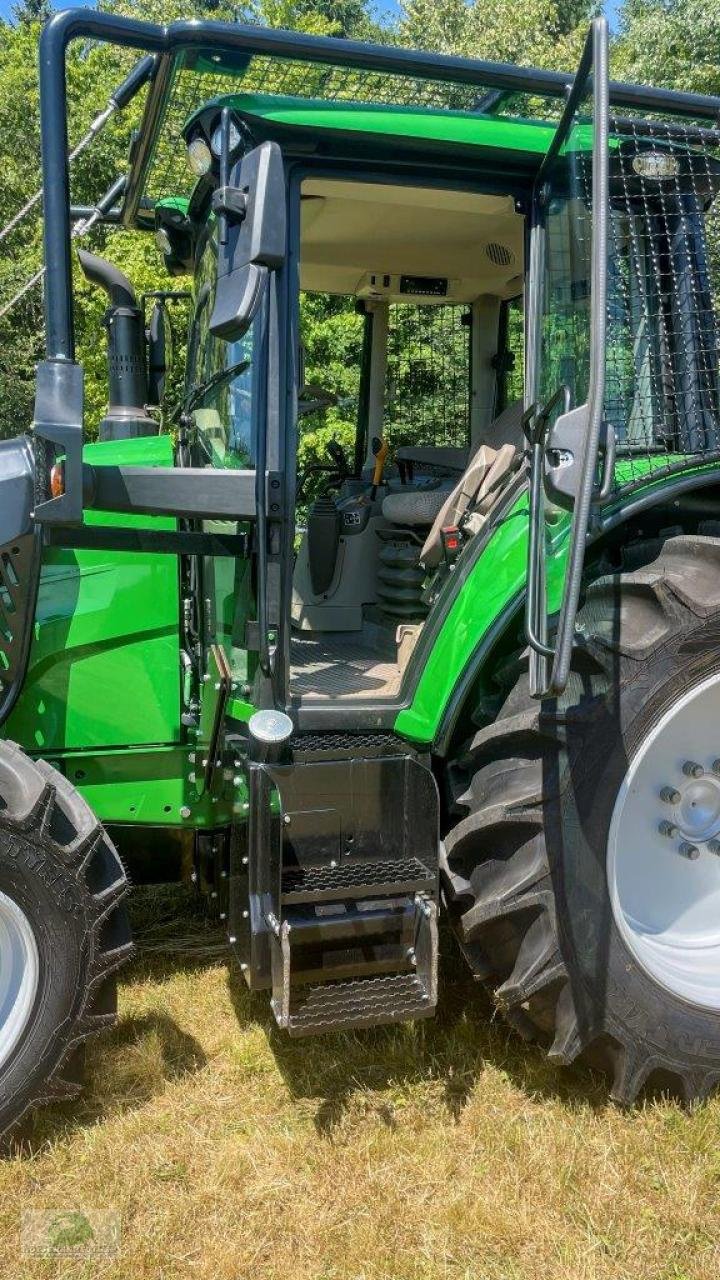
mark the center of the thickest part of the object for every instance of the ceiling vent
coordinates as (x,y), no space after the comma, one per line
(499,254)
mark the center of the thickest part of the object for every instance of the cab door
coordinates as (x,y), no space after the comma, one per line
(566,363)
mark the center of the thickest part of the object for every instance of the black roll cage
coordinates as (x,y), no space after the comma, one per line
(167,42)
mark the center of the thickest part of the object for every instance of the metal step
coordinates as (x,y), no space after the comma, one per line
(360,1002)
(356,880)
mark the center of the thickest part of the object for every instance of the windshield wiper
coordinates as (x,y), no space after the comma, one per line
(215,380)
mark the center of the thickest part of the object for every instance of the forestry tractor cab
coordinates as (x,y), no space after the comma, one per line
(419,618)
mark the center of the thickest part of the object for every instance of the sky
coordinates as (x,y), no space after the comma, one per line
(612,7)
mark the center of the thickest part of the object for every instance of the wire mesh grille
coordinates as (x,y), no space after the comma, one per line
(662,375)
(428,385)
(193,86)
(662,356)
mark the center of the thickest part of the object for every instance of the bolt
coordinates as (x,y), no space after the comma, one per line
(670,795)
(213,894)
(714,846)
(223,916)
(185,812)
(690,851)
(193,877)
(245,915)
(206,678)
(237,780)
(715,766)
(217,686)
(692,770)
(244,862)
(286,819)
(667,829)
(411,955)
(191,777)
(333,864)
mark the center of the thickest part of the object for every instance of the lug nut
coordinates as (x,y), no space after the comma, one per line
(670,795)
(692,770)
(690,851)
(714,846)
(667,829)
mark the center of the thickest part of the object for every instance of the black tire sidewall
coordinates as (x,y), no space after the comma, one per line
(612,993)
(55,902)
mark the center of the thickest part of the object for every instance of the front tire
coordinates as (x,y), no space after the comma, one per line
(567,936)
(63,932)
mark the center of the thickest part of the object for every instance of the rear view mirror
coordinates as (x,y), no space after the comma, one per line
(159,353)
(251,238)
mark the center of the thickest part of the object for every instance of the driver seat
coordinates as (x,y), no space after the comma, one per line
(447,503)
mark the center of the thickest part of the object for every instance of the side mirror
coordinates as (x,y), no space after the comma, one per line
(251,239)
(159,353)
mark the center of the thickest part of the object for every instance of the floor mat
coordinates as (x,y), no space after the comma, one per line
(344,664)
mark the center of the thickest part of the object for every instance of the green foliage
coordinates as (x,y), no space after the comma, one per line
(671,42)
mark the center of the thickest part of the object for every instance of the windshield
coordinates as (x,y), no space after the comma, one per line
(222,406)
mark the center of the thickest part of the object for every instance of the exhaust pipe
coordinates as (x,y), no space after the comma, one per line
(126,416)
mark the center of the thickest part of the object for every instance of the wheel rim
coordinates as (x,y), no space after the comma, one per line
(19,975)
(664,849)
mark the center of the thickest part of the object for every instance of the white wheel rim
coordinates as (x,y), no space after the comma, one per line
(664,849)
(19,975)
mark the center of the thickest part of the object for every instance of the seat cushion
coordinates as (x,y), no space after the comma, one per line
(415,506)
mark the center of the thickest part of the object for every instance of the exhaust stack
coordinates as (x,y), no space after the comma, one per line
(126,416)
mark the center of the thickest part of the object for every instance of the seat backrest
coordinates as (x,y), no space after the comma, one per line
(476,488)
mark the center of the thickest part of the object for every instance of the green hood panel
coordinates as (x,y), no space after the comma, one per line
(104,662)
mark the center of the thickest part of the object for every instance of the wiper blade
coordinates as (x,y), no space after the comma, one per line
(215,380)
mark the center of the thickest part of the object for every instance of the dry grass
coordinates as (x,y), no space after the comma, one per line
(443,1150)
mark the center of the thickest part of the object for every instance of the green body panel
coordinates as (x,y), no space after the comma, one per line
(104,662)
(496,581)
(417,123)
(149,787)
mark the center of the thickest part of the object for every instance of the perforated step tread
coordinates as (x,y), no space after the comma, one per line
(362,1002)
(355,880)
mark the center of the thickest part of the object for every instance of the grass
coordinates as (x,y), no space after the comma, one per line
(437,1151)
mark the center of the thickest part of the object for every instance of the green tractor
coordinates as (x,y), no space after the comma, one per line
(464,662)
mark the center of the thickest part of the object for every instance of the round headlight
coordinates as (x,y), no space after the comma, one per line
(656,165)
(163,241)
(199,156)
(233,137)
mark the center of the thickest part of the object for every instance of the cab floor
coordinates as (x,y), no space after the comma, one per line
(345,665)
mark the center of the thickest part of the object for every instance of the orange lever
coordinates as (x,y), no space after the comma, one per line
(380,457)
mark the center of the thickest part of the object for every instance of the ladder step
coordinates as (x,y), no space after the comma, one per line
(361,1002)
(355,880)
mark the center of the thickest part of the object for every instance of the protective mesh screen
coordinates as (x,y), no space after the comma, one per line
(427,396)
(662,356)
(193,86)
(662,392)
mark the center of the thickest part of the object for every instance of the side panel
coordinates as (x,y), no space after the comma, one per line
(104,662)
(495,582)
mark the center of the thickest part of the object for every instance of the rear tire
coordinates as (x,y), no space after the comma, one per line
(525,870)
(63,932)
